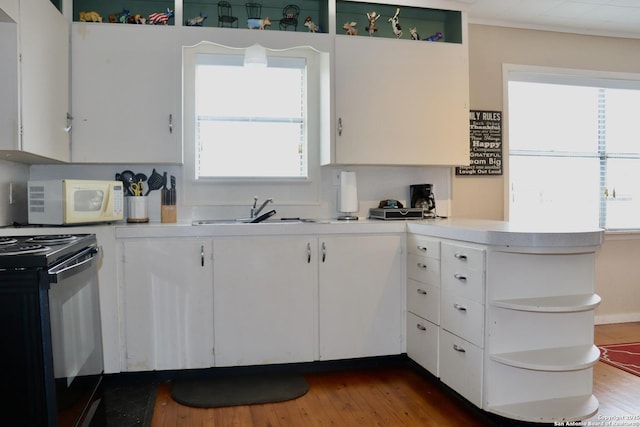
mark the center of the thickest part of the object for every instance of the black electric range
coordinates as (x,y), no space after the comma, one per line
(41,250)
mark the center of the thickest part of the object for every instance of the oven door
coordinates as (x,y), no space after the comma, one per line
(76,337)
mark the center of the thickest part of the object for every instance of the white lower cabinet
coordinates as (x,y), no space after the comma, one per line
(167,304)
(515,331)
(461,366)
(265,294)
(360,296)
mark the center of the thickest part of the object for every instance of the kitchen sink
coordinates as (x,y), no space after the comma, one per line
(248,221)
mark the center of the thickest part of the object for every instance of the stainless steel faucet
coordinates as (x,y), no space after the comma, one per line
(256,211)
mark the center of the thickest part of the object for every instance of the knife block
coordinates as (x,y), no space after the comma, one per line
(168,213)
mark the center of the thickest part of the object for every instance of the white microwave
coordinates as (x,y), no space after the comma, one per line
(75,201)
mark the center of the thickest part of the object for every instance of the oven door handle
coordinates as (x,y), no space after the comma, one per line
(74,265)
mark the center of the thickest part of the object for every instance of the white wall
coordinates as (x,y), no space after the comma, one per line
(375,183)
(617,268)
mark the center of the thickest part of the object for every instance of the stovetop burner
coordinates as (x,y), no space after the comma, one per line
(7,241)
(23,249)
(52,238)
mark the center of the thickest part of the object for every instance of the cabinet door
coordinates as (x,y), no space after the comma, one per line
(8,85)
(167,297)
(400,102)
(125,94)
(361,280)
(44,80)
(264,300)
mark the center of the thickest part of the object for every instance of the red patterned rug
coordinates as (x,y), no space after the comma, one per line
(622,356)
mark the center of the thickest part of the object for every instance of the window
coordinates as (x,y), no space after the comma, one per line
(574,154)
(250,121)
(251,130)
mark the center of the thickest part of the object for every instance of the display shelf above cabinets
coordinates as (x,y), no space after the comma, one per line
(122,12)
(413,23)
(284,15)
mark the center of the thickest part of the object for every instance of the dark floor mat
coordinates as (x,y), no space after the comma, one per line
(218,391)
(126,404)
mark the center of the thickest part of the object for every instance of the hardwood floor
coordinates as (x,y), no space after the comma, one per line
(397,396)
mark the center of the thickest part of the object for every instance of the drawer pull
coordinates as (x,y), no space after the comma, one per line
(422,248)
(421,327)
(421,291)
(422,266)
(460,277)
(459,307)
(459,349)
(461,257)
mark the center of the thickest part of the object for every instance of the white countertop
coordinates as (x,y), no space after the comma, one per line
(509,234)
(487,232)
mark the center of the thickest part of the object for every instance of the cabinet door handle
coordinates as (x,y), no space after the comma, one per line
(459,307)
(308,253)
(457,348)
(460,277)
(67,129)
(461,257)
(422,266)
(421,291)
(422,248)
(339,126)
(201,255)
(324,251)
(421,327)
(170,123)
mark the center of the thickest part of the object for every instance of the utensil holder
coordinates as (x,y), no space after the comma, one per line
(137,208)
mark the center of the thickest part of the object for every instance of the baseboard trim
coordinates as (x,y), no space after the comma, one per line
(617,318)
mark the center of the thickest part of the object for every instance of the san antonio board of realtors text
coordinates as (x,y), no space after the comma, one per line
(485,135)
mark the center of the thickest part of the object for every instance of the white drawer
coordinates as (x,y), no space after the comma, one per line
(462,281)
(462,317)
(423,269)
(460,256)
(423,246)
(424,300)
(460,366)
(422,342)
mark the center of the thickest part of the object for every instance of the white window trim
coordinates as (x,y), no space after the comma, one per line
(240,191)
(560,75)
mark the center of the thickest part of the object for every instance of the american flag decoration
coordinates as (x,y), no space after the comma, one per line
(160,17)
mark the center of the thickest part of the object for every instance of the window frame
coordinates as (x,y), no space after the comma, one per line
(236,191)
(564,76)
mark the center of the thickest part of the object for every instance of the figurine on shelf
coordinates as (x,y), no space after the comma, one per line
(395,24)
(414,34)
(121,17)
(350,28)
(137,19)
(259,24)
(197,21)
(313,27)
(434,38)
(160,17)
(89,17)
(372,17)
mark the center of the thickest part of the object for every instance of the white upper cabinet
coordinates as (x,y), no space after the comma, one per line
(400,101)
(125,94)
(41,76)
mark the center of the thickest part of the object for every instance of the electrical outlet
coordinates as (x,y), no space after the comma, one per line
(336,178)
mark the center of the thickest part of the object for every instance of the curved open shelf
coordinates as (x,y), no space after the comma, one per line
(548,411)
(551,359)
(555,304)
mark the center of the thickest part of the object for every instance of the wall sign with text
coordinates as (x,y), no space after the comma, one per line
(485,135)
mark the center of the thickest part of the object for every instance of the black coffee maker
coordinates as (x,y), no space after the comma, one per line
(421,196)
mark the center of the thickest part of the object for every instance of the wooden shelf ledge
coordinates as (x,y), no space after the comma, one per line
(574,408)
(555,304)
(551,359)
